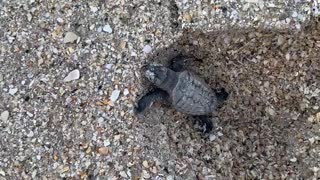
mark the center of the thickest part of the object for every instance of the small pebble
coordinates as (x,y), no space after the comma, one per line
(117,137)
(30,134)
(281,40)
(2,173)
(270,111)
(288,56)
(73,75)
(170,177)
(70,37)
(123,44)
(10,39)
(145,164)
(130,164)
(129,173)
(106,142)
(187,17)
(114,95)
(154,170)
(312,140)
(145,174)
(318,116)
(29,114)
(107,28)
(104,150)
(251,1)
(108,66)
(29,17)
(125,92)
(294,14)
(13,91)
(212,137)
(4,116)
(311,119)
(133,54)
(293,159)
(147,49)
(315,169)
(60,20)
(93,9)
(123,174)
(92,26)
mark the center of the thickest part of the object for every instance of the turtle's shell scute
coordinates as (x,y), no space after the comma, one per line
(192,95)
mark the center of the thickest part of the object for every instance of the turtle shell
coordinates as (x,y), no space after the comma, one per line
(192,95)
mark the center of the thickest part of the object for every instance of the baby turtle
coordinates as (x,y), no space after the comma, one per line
(183,90)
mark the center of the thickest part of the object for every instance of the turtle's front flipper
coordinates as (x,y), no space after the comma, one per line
(148,99)
(204,122)
(180,63)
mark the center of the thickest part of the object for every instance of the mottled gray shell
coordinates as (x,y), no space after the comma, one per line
(192,95)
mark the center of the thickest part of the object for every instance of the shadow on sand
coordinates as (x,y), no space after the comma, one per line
(273,78)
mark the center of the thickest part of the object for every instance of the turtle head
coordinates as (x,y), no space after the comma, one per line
(156,74)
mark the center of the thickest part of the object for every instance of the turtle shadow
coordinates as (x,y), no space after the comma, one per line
(264,118)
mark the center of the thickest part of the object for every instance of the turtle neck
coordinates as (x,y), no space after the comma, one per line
(170,81)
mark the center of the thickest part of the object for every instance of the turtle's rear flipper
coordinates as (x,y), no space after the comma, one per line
(205,123)
(222,95)
(148,99)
